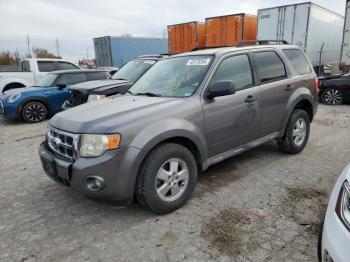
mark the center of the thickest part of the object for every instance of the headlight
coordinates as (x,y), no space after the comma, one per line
(96,145)
(343,204)
(14,97)
(92,98)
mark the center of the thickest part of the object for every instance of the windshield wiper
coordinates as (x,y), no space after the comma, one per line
(148,94)
(131,93)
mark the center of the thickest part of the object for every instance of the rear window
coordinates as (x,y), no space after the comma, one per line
(96,75)
(270,66)
(46,66)
(298,61)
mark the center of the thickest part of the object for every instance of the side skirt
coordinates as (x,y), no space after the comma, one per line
(232,152)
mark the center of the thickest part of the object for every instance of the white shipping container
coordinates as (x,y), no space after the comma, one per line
(345,57)
(307,25)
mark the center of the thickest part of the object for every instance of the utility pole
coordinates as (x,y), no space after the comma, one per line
(57,47)
(28,44)
(87,54)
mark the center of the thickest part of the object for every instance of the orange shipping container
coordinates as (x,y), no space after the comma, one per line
(229,30)
(186,37)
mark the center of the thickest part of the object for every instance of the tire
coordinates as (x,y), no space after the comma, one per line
(332,97)
(296,134)
(34,112)
(160,173)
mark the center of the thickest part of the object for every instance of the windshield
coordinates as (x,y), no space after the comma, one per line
(48,80)
(173,77)
(133,70)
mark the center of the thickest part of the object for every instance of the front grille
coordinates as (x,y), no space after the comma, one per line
(61,142)
(1,108)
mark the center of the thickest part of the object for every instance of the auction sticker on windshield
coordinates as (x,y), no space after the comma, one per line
(198,62)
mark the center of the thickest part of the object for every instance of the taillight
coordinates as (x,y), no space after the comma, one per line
(317,89)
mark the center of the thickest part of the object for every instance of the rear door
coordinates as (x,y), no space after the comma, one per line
(275,89)
(233,120)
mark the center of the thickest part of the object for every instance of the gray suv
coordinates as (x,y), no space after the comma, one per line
(186,113)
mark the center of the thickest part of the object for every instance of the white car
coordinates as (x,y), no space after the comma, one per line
(30,71)
(336,230)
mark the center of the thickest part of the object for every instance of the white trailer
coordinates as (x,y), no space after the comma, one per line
(345,52)
(307,25)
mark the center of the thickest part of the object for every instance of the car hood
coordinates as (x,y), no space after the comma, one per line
(24,90)
(88,87)
(106,115)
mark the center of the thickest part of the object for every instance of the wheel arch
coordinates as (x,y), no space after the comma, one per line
(13,85)
(304,102)
(34,99)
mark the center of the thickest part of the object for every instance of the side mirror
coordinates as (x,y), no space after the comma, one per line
(221,88)
(61,86)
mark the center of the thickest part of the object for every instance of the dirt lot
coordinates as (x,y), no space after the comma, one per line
(260,206)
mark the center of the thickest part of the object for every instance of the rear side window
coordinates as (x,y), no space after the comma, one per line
(96,75)
(71,79)
(270,67)
(46,66)
(298,61)
(65,66)
(237,69)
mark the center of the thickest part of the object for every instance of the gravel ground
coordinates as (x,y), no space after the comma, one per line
(260,206)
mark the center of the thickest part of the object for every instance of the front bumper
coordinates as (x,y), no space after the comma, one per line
(335,239)
(8,110)
(118,168)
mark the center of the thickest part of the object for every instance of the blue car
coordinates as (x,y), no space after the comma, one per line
(35,104)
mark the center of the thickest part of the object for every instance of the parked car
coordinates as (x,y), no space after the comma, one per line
(336,229)
(188,112)
(119,83)
(30,72)
(335,90)
(34,104)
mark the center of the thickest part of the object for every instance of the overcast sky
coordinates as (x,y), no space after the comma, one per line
(76,22)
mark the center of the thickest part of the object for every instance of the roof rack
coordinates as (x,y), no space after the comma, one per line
(261,42)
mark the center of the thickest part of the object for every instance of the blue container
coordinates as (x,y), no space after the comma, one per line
(117,51)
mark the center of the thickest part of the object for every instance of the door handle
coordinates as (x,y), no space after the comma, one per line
(249,99)
(289,87)
(46,93)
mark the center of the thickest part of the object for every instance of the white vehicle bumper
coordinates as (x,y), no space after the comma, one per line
(335,239)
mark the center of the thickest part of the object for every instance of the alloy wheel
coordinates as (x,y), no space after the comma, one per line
(172,179)
(299,132)
(35,112)
(332,97)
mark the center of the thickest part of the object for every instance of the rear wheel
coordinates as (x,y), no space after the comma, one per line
(297,133)
(34,112)
(332,97)
(167,178)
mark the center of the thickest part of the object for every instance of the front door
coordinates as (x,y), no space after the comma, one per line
(233,120)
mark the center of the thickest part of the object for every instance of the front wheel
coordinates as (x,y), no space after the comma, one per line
(167,178)
(297,133)
(332,97)
(34,112)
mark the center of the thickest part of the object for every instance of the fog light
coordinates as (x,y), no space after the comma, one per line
(95,183)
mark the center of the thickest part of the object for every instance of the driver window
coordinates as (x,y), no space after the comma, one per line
(236,69)
(71,79)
